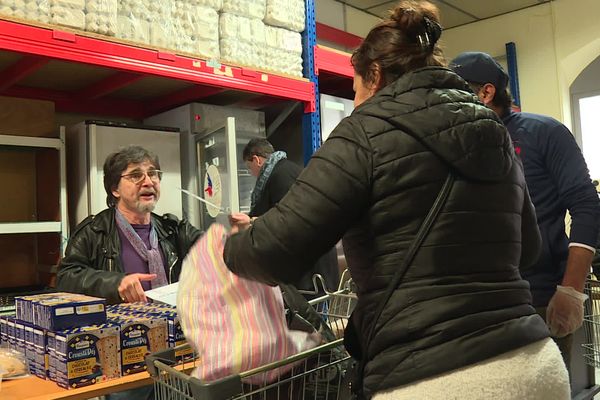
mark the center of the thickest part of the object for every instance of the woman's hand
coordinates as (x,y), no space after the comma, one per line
(239,222)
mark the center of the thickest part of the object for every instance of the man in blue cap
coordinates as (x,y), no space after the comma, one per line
(558,180)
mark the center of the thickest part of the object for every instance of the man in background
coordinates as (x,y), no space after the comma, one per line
(558,180)
(126,249)
(275,176)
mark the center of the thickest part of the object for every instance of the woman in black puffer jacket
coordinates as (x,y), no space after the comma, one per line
(460,323)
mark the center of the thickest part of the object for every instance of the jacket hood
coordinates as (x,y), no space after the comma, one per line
(437,107)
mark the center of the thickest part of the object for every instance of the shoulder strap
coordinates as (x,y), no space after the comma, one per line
(408,259)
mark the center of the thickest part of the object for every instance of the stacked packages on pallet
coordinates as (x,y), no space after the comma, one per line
(132,21)
(196,29)
(101,16)
(262,34)
(245,8)
(7,7)
(288,14)
(246,39)
(37,10)
(242,40)
(284,51)
(76,340)
(68,13)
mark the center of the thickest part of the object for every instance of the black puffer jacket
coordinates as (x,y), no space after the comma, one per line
(280,181)
(282,177)
(374,180)
(92,263)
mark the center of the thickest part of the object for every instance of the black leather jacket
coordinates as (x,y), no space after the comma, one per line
(92,263)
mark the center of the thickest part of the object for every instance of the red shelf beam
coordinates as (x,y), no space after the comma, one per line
(56,44)
(67,102)
(334,62)
(172,100)
(108,85)
(338,36)
(20,70)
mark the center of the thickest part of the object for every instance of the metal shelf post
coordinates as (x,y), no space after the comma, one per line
(311,121)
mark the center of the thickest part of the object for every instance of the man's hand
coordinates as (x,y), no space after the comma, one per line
(239,222)
(130,288)
(565,311)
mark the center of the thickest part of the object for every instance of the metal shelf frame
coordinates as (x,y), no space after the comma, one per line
(42,226)
(311,122)
(132,63)
(30,141)
(30,227)
(40,45)
(333,61)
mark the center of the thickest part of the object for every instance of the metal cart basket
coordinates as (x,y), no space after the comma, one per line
(591,324)
(316,374)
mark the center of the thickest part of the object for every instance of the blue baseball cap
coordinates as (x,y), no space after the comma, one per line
(478,67)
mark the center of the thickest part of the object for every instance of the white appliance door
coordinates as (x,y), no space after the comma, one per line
(218,177)
(104,140)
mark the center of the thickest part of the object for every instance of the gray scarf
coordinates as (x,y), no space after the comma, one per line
(263,176)
(152,255)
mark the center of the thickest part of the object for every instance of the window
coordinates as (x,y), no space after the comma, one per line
(589,120)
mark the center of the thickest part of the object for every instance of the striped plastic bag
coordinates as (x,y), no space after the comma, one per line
(233,324)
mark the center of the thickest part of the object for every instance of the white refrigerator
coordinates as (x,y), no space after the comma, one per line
(88,145)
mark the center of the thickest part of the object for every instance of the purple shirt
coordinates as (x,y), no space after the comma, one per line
(131,260)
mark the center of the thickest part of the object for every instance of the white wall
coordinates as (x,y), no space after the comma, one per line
(344,17)
(555,41)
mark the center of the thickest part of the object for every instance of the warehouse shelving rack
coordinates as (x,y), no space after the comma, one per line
(83,73)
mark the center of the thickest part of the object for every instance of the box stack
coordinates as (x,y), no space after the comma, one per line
(70,13)
(101,16)
(196,29)
(145,327)
(263,34)
(84,356)
(132,21)
(58,315)
(242,40)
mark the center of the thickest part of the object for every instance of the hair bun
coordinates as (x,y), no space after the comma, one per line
(418,20)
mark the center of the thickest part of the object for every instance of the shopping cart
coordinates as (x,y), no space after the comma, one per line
(319,373)
(591,324)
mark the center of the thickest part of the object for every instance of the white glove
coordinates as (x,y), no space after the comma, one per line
(564,314)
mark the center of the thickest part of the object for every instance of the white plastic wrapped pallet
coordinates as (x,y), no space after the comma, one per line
(101,16)
(68,13)
(6,11)
(216,5)
(7,7)
(245,8)
(27,9)
(132,21)
(134,8)
(284,51)
(198,29)
(242,40)
(163,31)
(288,14)
(132,28)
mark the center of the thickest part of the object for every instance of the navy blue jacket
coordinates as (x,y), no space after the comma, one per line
(558,180)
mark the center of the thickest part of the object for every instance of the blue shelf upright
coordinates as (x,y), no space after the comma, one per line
(513,72)
(311,121)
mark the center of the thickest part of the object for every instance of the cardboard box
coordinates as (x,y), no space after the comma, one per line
(85,356)
(56,311)
(27,117)
(140,335)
